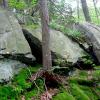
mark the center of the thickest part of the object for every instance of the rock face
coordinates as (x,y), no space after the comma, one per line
(12,42)
(8,68)
(92,34)
(11,36)
(60,44)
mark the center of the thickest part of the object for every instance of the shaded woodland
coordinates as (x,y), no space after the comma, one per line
(49,50)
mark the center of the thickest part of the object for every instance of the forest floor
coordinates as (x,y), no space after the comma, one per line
(81,85)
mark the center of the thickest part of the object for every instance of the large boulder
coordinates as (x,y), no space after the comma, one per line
(59,43)
(8,68)
(13,45)
(92,36)
(11,35)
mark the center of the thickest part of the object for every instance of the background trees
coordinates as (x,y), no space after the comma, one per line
(85,10)
(61,9)
(5,3)
(74,53)
(47,63)
(96,11)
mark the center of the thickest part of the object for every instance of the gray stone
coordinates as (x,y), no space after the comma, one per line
(60,44)
(92,34)
(11,35)
(9,68)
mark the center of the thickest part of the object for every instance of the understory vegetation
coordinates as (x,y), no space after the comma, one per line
(66,80)
(78,86)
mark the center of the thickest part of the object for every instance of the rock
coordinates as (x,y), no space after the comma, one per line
(92,35)
(60,44)
(11,35)
(27,58)
(30,56)
(13,45)
(8,68)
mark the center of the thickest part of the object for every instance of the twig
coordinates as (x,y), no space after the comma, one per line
(45,85)
(34,82)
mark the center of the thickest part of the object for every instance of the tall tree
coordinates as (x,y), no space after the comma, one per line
(78,11)
(96,11)
(5,3)
(86,11)
(47,63)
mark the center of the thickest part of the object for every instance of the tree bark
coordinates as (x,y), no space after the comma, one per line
(85,10)
(96,11)
(78,15)
(5,3)
(47,63)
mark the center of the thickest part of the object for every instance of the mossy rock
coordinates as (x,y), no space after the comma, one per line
(21,85)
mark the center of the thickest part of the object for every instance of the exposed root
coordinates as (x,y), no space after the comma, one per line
(52,80)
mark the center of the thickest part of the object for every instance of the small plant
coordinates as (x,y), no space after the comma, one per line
(18,5)
(73,33)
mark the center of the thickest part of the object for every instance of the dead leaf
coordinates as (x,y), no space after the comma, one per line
(23,97)
(46,96)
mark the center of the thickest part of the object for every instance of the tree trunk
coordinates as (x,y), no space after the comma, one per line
(78,15)
(5,3)
(47,63)
(85,10)
(96,11)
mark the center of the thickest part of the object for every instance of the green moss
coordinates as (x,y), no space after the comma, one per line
(73,33)
(78,93)
(63,96)
(73,80)
(21,78)
(29,89)
(96,74)
(21,85)
(36,90)
(33,26)
(29,95)
(7,92)
(81,88)
(83,74)
(89,92)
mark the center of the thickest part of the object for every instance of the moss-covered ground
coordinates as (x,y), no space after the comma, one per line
(78,87)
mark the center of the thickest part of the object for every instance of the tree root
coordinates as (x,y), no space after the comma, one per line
(52,80)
